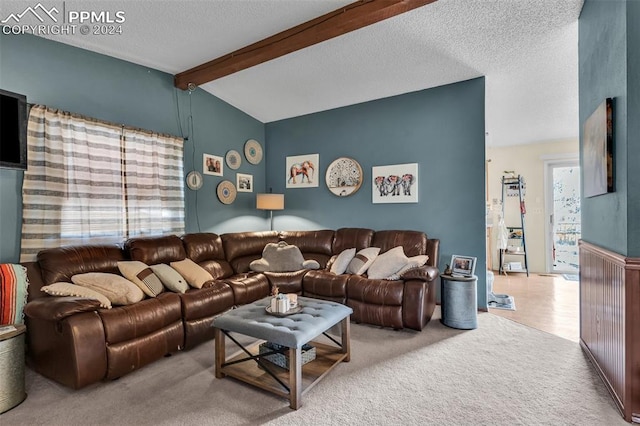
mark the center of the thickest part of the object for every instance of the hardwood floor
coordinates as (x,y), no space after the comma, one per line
(548,303)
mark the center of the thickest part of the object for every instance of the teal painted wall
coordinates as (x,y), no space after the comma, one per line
(99,86)
(609,65)
(441,129)
(633,127)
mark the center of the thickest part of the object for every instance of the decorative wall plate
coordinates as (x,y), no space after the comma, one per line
(233,159)
(253,151)
(226,192)
(344,176)
(194,180)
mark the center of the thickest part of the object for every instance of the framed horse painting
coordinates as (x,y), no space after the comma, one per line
(302,171)
(397,183)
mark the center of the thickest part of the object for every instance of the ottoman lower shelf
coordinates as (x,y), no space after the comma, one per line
(282,359)
(327,357)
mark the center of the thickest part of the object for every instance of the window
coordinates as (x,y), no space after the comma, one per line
(91,182)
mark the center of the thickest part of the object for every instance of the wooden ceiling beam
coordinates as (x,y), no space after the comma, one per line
(333,24)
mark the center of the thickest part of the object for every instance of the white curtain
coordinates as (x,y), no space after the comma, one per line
(80,174)
(153,166)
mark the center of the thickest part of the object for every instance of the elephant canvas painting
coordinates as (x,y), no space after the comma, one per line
(302,171)
(397,183)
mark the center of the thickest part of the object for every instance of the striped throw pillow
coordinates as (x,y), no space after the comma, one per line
(364,258)
(142,276)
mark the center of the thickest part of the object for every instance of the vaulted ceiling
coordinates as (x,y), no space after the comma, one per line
(526,49)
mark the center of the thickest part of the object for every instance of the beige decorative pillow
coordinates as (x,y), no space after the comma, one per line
(170,278)
(363,259)
(413,263)
(339,265)
(68,289)
(387,263)
(119,290)
(141,275)
(195,275)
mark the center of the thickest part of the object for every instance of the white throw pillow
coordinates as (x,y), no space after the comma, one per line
(68,289)
(141,275)
(341,262)
(119,290)
(363,259)
(413,263)
(170,278)
(195,274)
(387,263)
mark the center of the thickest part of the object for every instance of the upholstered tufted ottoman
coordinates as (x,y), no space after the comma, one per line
(292,331)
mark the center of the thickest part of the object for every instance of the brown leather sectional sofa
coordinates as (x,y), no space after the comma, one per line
(75,342)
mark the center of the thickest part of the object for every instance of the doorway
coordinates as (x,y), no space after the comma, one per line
(562,193)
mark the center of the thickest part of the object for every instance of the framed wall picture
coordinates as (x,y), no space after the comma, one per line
(244,183)
(302,171)
(344,176)
(395,184)
(463,265)
(212,165)
(598,150)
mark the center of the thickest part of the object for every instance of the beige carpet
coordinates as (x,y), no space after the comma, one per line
(503,373)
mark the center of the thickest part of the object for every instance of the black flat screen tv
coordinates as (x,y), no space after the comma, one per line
(13,130)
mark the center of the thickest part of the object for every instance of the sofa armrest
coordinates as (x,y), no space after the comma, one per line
(57,308)
(423,273)
(419,302)
(71,351)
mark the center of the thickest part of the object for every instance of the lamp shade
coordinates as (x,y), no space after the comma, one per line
(270,201)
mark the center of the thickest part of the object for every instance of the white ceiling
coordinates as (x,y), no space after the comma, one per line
(526,49)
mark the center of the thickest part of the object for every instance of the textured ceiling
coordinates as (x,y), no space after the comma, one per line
(526,49)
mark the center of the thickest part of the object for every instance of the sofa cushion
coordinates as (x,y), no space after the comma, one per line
(248,287)
(323,284)
(125,323)
(195,275)
(154,250)
(170,278)
(310,241)
(60,264)
(241,248)
(363,259)
(375,292)
(413,242)
(352,237)
(287,282)
(341,262)
(387,263)
(206,250)
(142,276)
(68,289)
(203,246)
(314,245)
(119,290)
